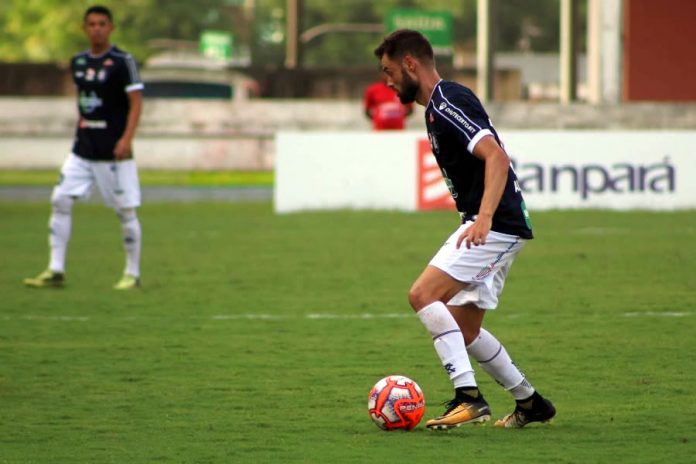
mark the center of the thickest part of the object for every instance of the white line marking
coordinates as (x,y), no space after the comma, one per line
(267,317)
(311,316)
(30,317)
(358,316)
(257,317)
(657,314)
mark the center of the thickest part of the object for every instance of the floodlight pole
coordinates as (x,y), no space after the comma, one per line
(569,50)
(484,49)
(594,52)
(293,52)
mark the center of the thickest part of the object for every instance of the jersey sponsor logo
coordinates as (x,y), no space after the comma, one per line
(79,74)
(432,192)
(89,102)
(469,128)
(81,61)
(442,106)
(101,75)
(92,124)
(595,179)
(108,62)
(91,73)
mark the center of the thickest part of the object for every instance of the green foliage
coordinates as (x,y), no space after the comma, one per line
(50,30)
(152,177)
(268,32)
(356,48)
(45,30)
(220,359)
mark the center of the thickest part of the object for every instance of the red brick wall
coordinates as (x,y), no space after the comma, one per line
(659,50)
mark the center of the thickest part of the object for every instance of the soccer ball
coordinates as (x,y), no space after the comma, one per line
(396,402)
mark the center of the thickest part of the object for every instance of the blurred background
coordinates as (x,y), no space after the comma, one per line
(255,107)
(224,76)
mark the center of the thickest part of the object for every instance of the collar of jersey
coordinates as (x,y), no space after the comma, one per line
(100,55)
(433,92)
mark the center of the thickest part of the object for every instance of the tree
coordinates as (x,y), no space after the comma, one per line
(39,31)
(50,30)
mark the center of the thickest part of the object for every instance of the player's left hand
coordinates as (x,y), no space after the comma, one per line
(476,233)
(122,149)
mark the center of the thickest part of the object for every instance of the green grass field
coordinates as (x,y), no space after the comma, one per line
(257,337)
(47,177)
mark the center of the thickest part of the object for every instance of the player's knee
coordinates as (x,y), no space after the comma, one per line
(126,214)
(419,297)
(61,204)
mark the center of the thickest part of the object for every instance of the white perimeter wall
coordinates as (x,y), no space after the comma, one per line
(557,169)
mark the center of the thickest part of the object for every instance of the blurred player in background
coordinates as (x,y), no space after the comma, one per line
(383,107)
(109,100)
(466,276)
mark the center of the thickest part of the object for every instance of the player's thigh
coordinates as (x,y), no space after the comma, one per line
(432,285)
(477,264)
(118,183)
(76,178)
(482,267)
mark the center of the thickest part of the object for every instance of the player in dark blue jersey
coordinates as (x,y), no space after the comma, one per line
(109,102)
(466,276)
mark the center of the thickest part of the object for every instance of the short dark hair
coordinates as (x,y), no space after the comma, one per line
(405,42)
(98,9)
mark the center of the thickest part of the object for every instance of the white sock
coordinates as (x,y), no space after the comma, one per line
(60,226)
(449,343)
(132,240)
(494,359)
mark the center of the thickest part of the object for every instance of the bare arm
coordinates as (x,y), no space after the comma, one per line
(495,177)
(124,146)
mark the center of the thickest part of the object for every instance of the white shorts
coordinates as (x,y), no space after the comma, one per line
(117,181)
(483,267)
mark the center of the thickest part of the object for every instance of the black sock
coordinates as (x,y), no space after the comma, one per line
(472,392)
(528,403)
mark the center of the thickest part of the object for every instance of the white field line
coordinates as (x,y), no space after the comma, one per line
(313,316)
(309,316)
(225,317)
(29,317)
(657,314)
(251,316)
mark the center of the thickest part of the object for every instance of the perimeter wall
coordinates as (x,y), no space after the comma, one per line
(196,134)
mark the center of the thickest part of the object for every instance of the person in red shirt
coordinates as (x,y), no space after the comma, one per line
(383,107)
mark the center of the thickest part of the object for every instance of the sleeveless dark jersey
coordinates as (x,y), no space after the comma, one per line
(103,83)
(456,121)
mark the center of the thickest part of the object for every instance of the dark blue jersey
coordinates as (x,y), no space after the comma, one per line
(103,83)
(456,122)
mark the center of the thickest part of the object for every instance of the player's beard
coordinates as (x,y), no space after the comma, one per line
(409,88)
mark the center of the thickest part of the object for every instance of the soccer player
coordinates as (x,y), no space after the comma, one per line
(383,107)
(109,100)
(465,277)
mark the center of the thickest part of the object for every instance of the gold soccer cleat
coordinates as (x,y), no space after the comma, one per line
(463,409)
(127,282)
(47,279)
